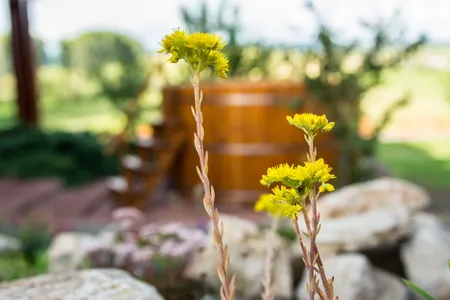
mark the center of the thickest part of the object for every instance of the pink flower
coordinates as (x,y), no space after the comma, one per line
(153,239)
(180,250)
(100,255)
(192,234)
(128,213)
(148,230)
(123,254)
(142,255)
(129,238)
(175,249)
(171,228)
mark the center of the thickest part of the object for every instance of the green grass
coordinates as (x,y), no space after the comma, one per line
(428,90)
(426,163)
(422,83)
(69,102)
(14,266)
(96,116)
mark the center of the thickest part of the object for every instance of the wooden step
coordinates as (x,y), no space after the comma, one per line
(143,173)
(120,184)
(148,149)
(133,166)
(161,129)
(126,193)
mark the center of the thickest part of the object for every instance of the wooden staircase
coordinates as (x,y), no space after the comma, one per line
(146,164)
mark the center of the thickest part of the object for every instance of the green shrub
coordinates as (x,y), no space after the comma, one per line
(31,259)
(75,158)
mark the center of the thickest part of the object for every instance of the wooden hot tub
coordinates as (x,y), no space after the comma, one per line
(245,133)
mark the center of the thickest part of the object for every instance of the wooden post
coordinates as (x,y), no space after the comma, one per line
(24,65)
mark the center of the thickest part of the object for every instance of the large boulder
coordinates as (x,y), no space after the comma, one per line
(381,193)
(362,231)
(93,284)
(426,255)
(368,215)
(235,229)
(356,279)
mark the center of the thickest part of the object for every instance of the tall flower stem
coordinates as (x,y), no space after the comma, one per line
(227,289)
(313,228)
(268,293)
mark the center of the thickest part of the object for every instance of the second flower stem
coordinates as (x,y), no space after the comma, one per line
(227,289)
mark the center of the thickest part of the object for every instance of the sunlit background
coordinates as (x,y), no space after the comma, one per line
(71,101)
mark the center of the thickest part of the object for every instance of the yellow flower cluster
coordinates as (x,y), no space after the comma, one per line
(297,182)
(283,202)
(300,177)
(311,124)
(199,50)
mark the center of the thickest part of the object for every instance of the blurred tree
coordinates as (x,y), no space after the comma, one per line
(341,90)
(205,22)
(115,60)
(6,63)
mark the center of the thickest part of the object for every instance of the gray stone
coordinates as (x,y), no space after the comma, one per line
(235,229)
(8,243)
(426,255)
(381,193)
(68,250)
(247,246)
(95,284)
(361,231)
(356,279)
(389,286)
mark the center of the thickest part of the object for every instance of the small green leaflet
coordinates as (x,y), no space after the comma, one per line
(418,290)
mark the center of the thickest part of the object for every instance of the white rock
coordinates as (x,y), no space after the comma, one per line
(362,231)
(426,256)
(68,250)
(326,250)
(8,243)
(247,262)
(353,278)
(235,229)
(96,284)
(356,279)
(389,286)
(382,193)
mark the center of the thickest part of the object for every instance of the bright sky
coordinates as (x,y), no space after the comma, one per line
(269,20)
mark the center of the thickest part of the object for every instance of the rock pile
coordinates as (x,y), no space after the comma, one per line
(373,234)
